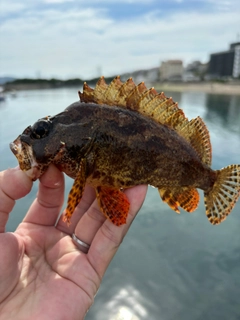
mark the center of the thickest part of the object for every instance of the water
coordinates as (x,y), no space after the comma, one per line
(169,266)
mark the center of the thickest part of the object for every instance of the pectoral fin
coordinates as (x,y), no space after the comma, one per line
(185,197)
(76,192)
(114,204)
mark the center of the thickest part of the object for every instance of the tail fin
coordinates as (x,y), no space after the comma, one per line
(225,192)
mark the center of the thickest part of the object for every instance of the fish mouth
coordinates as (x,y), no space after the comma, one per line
(24,154)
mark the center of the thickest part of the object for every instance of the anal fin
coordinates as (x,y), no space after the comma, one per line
(185,197)
(114,204)
(76,192)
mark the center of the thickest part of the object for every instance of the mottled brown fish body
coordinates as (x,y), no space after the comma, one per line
(121,135)
(122,149)
(128,149)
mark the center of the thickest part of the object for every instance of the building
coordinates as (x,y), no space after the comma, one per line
(147,75)
(195,71)
(171,70)
(225,64)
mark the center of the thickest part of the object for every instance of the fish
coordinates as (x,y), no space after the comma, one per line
(120,135)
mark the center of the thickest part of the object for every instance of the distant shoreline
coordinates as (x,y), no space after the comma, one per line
(208,87)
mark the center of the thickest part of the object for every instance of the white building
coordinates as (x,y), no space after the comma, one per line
(171,70)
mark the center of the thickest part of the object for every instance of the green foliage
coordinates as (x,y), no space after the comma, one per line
(53,83)
(47,82)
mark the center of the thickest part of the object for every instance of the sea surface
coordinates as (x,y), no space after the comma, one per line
(170,266)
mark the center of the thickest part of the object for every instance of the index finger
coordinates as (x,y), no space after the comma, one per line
(14,184)
(47,205)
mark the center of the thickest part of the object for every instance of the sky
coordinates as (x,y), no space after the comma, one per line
(85,39)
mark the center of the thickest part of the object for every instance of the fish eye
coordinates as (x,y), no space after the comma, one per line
(40,129)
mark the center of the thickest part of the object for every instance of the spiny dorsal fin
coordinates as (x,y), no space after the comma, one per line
(146,98)
(87,94)
(100,89)
(197,134)
(152,104)
(124,92)
(94,95)
(112,91)
(132,100)
(165,110)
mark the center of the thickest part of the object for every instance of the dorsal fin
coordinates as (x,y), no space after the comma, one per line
(87,94)
(124,92)
(99,91)
(154,105)
(94,95)
(197,134)
(132,100)
(112,91)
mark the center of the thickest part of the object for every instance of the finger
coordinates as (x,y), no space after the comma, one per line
(11,252)
(90,223)
(46,207)
(14,184)
(88,197)
(109,237)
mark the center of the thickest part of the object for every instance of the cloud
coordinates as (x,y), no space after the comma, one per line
(90,2)
(78,42)
(57,1)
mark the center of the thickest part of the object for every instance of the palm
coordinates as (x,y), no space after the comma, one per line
(42,272)
(48,267)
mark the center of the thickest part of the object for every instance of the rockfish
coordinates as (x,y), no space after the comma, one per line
(121,135)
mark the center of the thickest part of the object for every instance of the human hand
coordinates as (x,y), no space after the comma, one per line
(43,275)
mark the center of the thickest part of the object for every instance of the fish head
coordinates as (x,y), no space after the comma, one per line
(37,147)
(63,139)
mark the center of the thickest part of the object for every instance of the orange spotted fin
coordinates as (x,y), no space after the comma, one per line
(76,192)
(167,196)
(114,204)
(220,200)
(185,197)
